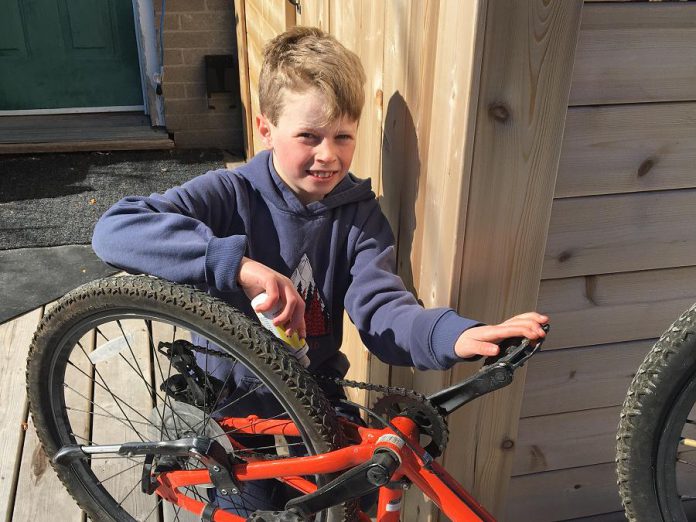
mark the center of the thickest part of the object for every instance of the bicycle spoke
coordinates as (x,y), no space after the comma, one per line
(138,371)
(117,398)
(119,473)
(153,353)
(70,408)
(157,504)
(129,494)
(110,415)
(236,400)
(130,349)
(108,390)
(687,463)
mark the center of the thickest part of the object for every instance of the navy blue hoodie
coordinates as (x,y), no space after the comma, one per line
(338,251)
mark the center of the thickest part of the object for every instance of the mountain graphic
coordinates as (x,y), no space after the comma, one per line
(317,317)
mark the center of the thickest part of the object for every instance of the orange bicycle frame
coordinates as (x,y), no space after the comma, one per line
(415,468)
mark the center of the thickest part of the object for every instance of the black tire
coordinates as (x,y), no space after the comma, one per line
(652,465)
(58,355)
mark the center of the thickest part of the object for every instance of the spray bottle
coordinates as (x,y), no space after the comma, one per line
(298,347)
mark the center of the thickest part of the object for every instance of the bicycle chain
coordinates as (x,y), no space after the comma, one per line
(419,405)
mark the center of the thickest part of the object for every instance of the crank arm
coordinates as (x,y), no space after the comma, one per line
(497,373)
(354,483)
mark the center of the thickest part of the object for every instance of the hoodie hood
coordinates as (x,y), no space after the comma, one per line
(262,176)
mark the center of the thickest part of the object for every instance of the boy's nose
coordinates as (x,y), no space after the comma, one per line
(325,152)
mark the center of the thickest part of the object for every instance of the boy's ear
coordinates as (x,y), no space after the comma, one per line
(265,130)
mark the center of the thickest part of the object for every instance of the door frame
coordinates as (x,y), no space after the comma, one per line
(150,72)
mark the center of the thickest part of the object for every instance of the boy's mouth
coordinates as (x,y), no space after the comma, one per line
(322,174)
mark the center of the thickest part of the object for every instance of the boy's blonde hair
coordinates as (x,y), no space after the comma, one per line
(307,57)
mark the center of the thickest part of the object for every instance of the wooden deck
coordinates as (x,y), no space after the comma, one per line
(29,488)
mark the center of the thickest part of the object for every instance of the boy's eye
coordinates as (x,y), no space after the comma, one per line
(344,137)
(306,135)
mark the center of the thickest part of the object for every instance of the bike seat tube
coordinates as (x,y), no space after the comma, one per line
(390,500)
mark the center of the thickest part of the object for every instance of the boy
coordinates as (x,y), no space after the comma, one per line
(294,223)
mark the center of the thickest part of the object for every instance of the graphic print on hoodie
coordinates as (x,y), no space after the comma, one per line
(317,317)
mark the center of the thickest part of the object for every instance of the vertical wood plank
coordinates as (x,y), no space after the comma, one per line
(315,13)
(16,337)
(264,20)
(40,494)
(525,81)
(244,83)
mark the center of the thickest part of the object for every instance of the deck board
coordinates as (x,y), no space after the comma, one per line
(15,337)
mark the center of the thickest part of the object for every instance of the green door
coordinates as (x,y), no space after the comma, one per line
(68,53)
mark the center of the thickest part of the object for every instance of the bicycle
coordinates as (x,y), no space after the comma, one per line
(657,430)
(169,449)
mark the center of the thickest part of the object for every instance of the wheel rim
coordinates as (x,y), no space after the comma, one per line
(100,404)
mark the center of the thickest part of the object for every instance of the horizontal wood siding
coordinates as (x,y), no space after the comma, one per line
(616,233)
(619,265)
(581,378)
(628,148)
(566,440)
(635,53)
(563,494)
(608,308)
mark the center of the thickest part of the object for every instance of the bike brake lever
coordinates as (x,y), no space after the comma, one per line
(516,350)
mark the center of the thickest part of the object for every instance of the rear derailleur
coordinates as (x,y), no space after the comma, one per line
(191,385)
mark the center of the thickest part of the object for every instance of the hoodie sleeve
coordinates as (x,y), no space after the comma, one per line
(184,235)
(391,322)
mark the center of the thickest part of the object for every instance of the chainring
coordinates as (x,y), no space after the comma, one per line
(422,412)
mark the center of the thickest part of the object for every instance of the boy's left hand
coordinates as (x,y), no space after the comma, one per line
(483,340)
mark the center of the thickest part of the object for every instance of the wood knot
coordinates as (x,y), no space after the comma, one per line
(564,256)
(499,112)
(507,444)
(645,167)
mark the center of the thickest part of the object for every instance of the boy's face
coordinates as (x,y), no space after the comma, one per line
(310,158)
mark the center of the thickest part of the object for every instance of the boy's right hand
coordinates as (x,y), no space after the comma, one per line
(483,340)
(255,278)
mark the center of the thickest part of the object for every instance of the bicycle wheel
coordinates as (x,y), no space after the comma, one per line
(656,466)
(101,371)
